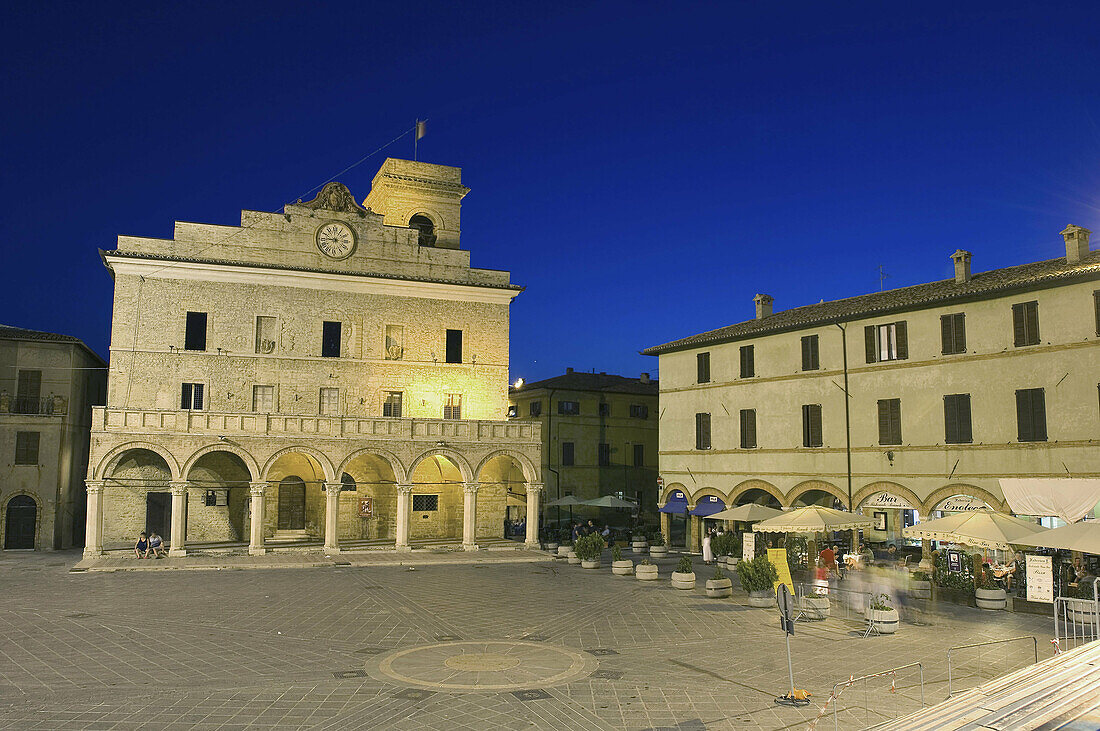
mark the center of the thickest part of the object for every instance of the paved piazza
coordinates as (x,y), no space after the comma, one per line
(477,645)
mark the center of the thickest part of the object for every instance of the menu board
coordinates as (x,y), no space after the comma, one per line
(1040,578)
(748,546)
(778,558)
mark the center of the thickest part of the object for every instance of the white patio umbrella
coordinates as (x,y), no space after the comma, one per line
(812,519)
(746,513)
(1083,537)
(983,528)
(564,501)
(610,501)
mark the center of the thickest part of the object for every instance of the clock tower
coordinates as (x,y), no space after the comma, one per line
(422,196)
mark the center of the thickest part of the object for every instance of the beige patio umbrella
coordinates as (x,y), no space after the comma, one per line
(983,528)
(746,513)
(1083,537)
(812,519)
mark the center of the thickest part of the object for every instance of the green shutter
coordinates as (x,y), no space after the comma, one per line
(1038,415)
(903,340)
(1019,330)
(963,416)
(869,342)
(947,336)
(1032,311)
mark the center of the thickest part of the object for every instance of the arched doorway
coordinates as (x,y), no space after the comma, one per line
(218,500)
(137,497)
(368,498)
(501,499)
(296,495)
(436,509)
(20,523)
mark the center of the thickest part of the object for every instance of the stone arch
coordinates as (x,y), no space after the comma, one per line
(704,492)
(430,213)
(669,489)
(530,472)
(248,459)
(747,485)
(892,487)
(959,488)
(804,487)
(395,463)
(457,459)
(326,464)
(111,459)
(38,516)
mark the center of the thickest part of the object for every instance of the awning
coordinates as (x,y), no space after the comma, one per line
(708,505)
(677,503)
(1068,498)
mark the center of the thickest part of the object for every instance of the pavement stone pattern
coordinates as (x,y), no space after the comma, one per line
(303,648)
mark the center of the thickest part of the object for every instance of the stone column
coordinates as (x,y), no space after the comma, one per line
(179,520)
(695,533)
(404,507)
(332,510)
(258,492)
(926,561)
(666,528)
(469,515)
(534,490)
(93,527)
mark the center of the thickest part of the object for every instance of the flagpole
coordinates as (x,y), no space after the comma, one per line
(416,137)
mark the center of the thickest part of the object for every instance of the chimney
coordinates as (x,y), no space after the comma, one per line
(962,265)
(644,378)
(1077,243)
(763,305)
(568,371)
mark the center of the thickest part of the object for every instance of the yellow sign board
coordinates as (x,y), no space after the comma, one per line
(778,558)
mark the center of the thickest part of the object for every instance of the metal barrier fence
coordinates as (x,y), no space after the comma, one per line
(1076,621)
(869,714)
(843,603)
(1001,669)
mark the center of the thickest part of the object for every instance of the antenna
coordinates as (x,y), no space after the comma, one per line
(882,275)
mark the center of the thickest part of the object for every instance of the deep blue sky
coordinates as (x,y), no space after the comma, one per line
(643,169)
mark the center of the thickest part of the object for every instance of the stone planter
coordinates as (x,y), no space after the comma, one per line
(920,589)
(683,581)
(571,557)
(622,568)
(990,598)
(643,572)
(761,598)
(884,620)
(590,564)
(564,550)
(658,551)
(719,588)
(814,606)
(639,546)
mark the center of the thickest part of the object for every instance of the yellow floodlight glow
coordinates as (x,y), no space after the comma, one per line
(518,383)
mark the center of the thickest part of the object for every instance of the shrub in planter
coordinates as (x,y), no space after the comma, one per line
(619,566)
(758,578)
(814,606)
(920,585)
(645,571)
(720,586)
(882,615)
(588,549)
(683,577)
(657,545)
(960,584)
(989,595)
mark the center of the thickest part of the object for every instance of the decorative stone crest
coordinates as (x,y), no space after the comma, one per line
(335,197)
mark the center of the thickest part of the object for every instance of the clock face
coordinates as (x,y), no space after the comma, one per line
(335,240)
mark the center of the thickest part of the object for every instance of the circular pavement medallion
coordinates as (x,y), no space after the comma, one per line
(481,666)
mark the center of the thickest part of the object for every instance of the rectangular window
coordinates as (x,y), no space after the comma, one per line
(191,396)
(567,454)
(425,503)
(953,333)
(536,408)
(748,362)
(811,425)
(603,454)
(330,339)
(887,342)
(604,409)
(330,402)
(639,411)
(569,408)
(26,447)
(702,363)
(956,419)
(889,421)
(702,431)
(263,399)
(28,393)
(265,334)
(194,336)
(454,346)
(810,360)
(452,406)
(1025,323)
(748,428)
(391,404)
(395,342)
(639,455)
(1031,415)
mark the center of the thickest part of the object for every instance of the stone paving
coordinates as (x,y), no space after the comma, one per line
(399,647)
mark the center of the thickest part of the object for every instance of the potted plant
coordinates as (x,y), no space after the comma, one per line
(683,577)
(587,549)
(882,615)
(638,543)
(815,606)
(726,546)
(758,578)
(658,548)
(619,566)
(645,571)
(720,586)
(988,594)
(920,585)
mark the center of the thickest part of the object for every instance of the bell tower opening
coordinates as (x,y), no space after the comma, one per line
(424,225)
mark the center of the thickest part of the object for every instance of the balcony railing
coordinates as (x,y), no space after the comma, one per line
(36,406)
(365,427)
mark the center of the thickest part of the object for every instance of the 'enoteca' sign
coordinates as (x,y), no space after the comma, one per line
(887,500)
(961,504)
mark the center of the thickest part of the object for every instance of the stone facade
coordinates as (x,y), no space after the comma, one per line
(914,463)
(326,363)
(48,384)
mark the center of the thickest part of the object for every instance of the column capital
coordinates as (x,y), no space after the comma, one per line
(94,486)
(179,487)
(334,487)
(534,487)
(257,489)
(404,489)
(470,487)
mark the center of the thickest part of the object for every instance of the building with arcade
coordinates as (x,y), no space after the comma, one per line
(335,372)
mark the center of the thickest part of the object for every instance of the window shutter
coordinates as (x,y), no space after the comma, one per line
(1019,333)
(748,428)
(950,420)
(805,425)
(1023,416)
(903,340)
(1038,415)
(703,367)
(947,335)
(805,354)
(895,420)
(1032,310)
(883,421)
(963,418)
(1096,305)
(815,425)
(752,361)
(959,327)
(869,341)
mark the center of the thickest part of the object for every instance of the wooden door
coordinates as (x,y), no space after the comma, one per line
(19,525)
(292,504)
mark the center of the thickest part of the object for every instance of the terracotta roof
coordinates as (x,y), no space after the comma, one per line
(984,285)
(8,332)
(578,381)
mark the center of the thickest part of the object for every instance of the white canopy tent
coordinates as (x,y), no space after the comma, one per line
(1068,498)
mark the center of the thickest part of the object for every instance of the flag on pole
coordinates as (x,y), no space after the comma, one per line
(421,128)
